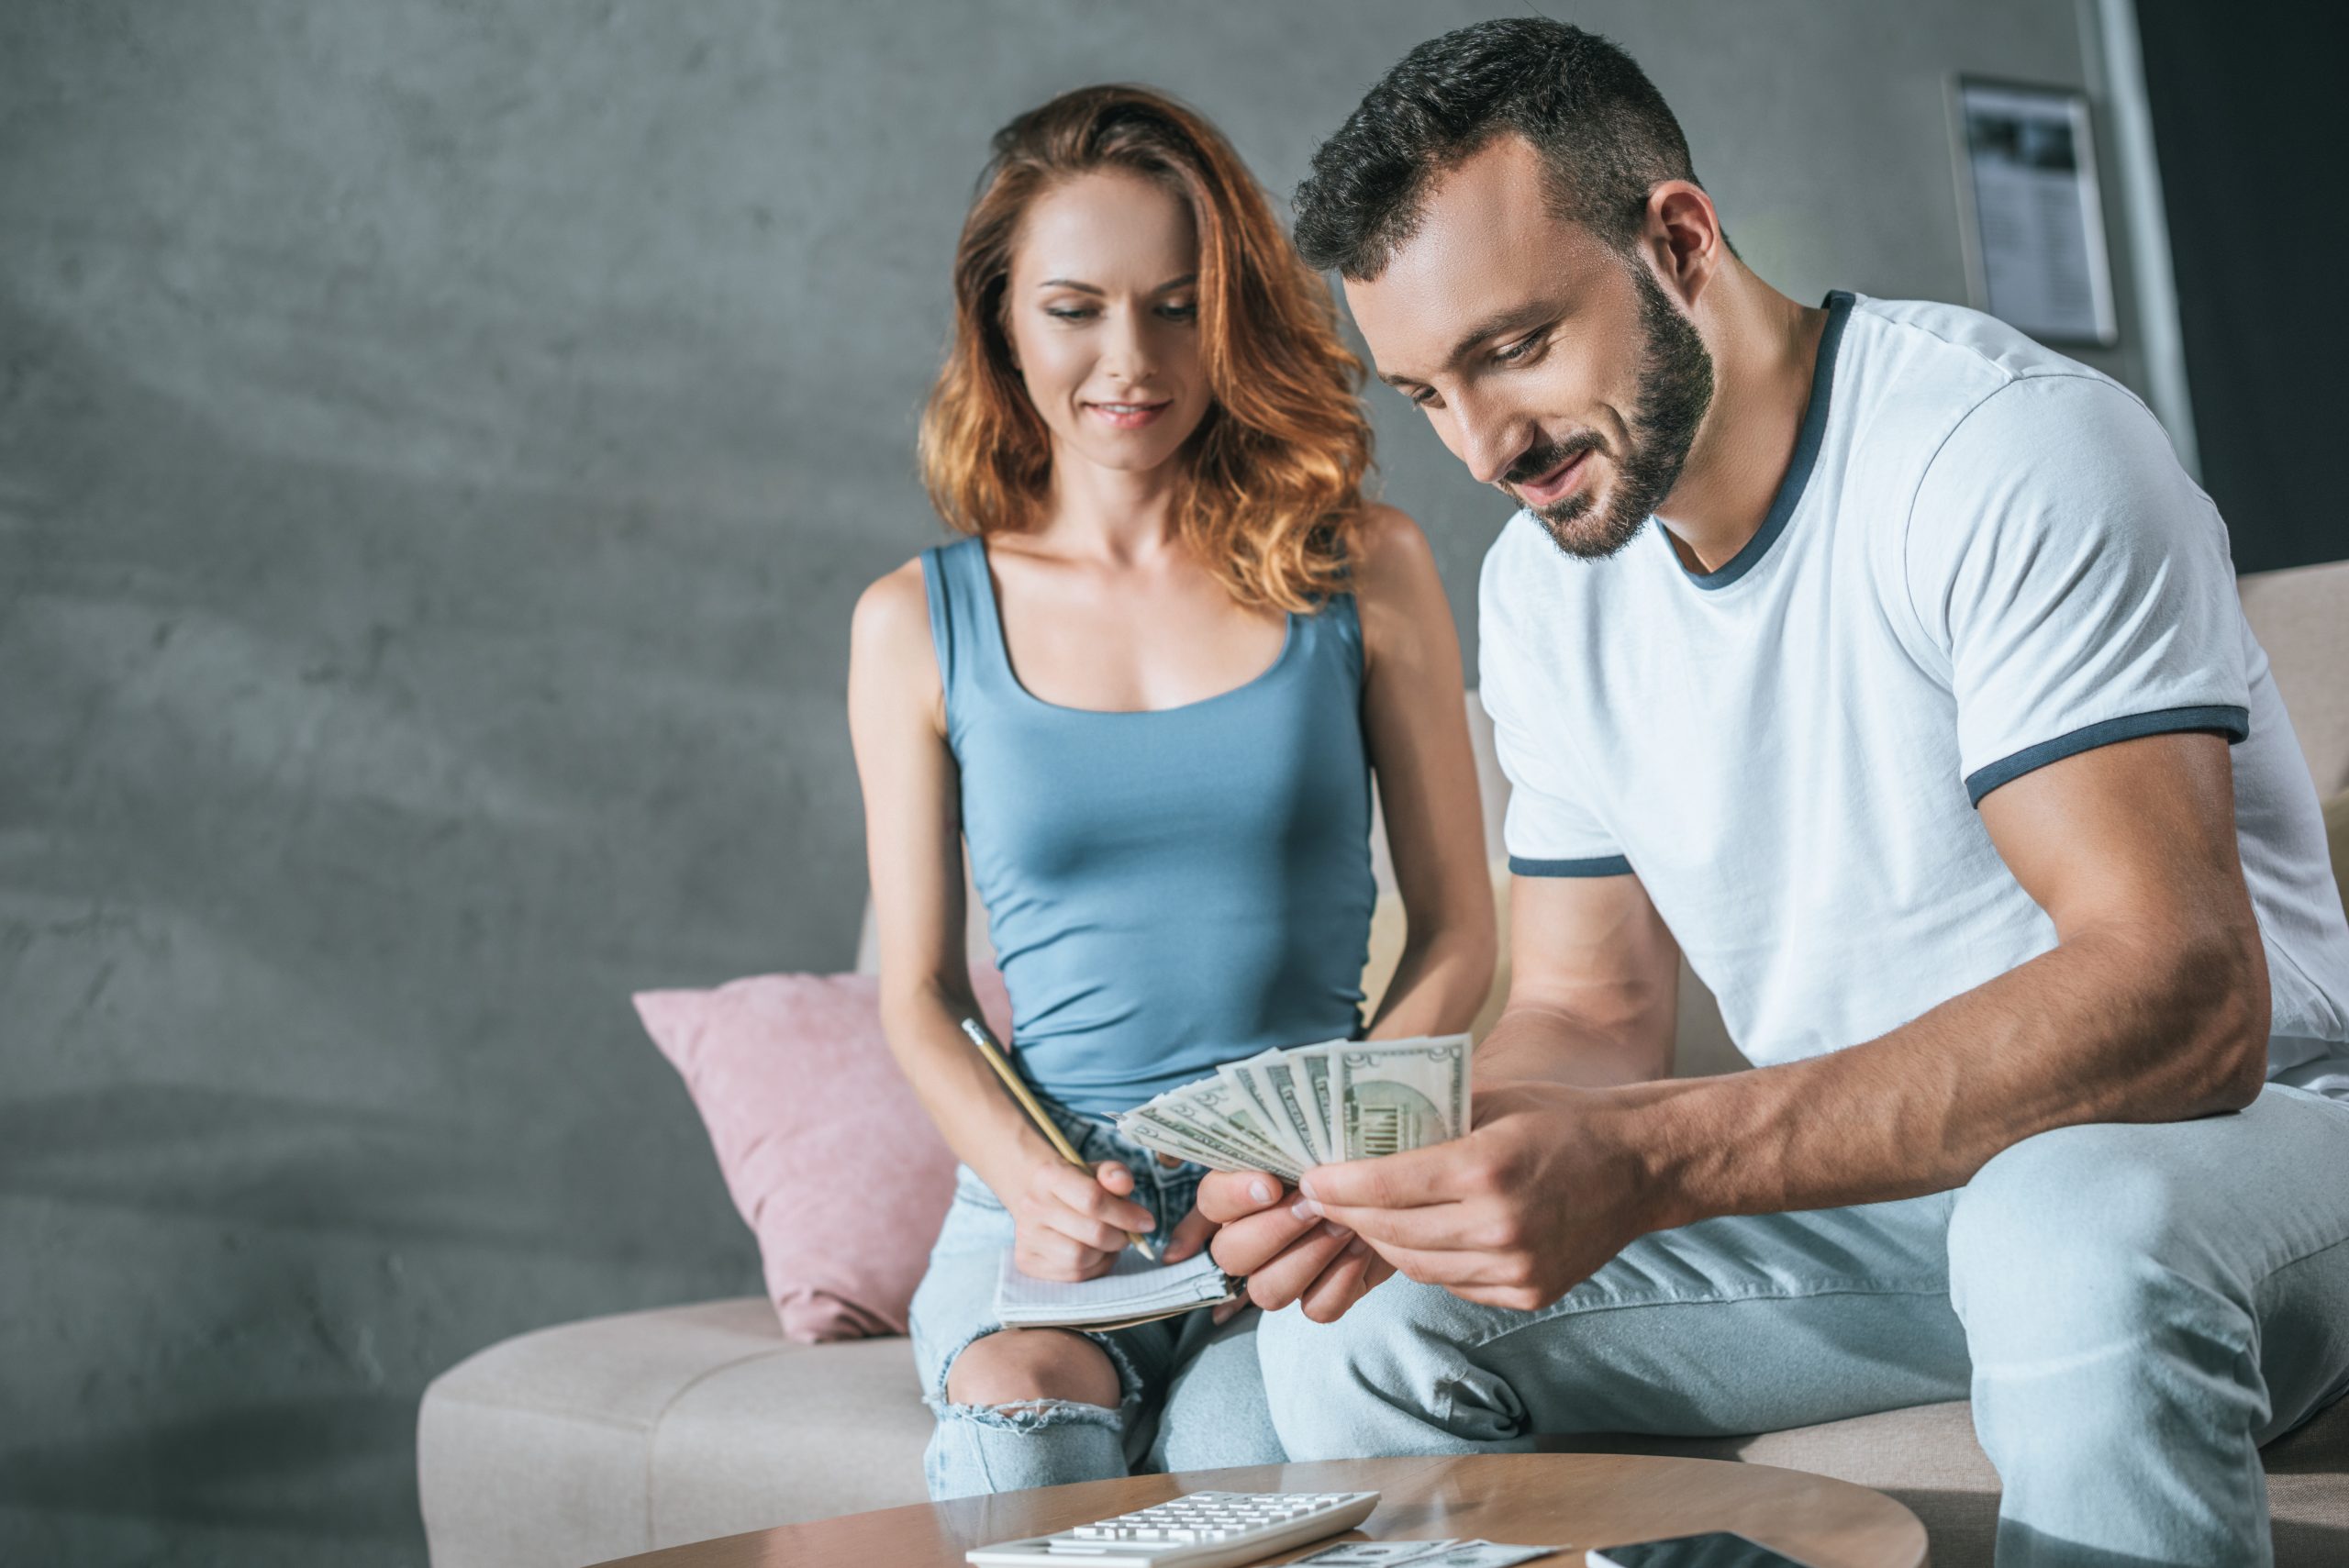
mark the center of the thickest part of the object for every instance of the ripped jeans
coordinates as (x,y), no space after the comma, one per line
(1193,1397)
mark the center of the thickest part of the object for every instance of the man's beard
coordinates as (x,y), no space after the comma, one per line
(1676,388)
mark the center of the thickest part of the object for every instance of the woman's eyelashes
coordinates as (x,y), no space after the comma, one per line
(1171,310)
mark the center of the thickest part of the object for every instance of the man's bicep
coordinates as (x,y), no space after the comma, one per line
(2139,833)
(1591,962)
(2131,849)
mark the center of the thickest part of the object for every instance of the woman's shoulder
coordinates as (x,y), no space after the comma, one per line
(903,594)
(1398,593)
(891,624)
(1389,554)
(895,596)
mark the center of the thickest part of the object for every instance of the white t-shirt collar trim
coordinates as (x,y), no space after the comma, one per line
(1806,456)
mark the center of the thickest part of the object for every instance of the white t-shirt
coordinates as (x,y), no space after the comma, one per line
(1984,558)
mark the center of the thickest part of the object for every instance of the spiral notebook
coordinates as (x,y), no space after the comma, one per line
(1135,1290)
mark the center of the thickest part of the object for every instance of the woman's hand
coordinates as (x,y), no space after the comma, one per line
(1071,1224)
(1287,1254)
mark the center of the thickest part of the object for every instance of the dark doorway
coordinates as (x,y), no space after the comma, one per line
(2251,123)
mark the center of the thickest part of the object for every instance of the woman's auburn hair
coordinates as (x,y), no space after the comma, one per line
(1272,491)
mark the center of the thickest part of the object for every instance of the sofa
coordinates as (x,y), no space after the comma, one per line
(595,1440)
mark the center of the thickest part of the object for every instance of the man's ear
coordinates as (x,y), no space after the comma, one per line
(1684,238)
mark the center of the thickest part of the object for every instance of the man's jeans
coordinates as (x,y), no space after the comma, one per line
(2133,1310)
(1189,1385)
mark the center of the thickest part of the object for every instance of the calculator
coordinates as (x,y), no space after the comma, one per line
(1200,1530)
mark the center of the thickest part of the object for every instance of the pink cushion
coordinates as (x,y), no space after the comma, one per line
(831,1160)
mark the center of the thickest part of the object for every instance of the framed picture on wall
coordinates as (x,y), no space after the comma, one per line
(2030,211)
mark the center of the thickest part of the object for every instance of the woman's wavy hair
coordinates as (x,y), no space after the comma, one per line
(1275,470)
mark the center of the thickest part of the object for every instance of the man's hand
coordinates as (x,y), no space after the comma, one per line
(1285,1254)
(1550,1185)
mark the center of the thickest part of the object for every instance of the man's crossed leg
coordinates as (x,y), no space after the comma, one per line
(2133,1308)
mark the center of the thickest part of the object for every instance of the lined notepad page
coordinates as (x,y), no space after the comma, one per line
(1134,1287)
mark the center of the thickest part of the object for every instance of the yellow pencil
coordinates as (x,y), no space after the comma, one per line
(1012,1080)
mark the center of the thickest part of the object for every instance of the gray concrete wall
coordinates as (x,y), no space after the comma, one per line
(440,447)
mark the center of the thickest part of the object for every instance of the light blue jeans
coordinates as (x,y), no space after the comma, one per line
(1193,1398)
(2133,1310)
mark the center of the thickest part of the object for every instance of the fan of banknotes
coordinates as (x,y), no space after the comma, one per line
(1289,1110)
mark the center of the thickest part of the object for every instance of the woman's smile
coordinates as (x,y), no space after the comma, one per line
(1130,415)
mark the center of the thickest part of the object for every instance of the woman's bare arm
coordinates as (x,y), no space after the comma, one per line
(1416,723)
(1071,1224)
(1415,716)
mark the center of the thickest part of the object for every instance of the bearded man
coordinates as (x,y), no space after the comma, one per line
(1887,664)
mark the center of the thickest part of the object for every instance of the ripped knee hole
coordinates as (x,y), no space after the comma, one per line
(1028,1415)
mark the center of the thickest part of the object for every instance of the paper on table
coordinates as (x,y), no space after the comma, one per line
(1134,1290)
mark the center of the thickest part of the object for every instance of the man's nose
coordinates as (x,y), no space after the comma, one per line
(1488,440)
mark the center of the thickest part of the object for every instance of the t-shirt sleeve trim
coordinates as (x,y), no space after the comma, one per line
(2234,723)
(1601,865)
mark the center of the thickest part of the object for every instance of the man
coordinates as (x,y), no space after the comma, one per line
(1922,716)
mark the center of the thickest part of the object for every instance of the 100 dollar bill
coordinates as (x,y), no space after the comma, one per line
(1285,1111)
(1393,1095)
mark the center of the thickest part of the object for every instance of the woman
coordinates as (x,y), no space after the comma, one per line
(1148,690)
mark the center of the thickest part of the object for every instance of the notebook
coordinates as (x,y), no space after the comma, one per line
(1135,1290)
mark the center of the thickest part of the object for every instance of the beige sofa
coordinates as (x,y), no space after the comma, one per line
(594,1439)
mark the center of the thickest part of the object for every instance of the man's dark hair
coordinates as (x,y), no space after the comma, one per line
(1604,132)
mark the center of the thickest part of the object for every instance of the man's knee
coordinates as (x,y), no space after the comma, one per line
(1215,1414)
(1370,1383)
(1026,1367)
(2085,1239)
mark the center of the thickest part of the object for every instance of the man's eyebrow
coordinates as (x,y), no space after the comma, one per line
(1186,281)
(1516,319)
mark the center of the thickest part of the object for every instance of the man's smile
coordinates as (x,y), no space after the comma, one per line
(1557,484)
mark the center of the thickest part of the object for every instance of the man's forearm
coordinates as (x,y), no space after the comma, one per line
(2101,1029)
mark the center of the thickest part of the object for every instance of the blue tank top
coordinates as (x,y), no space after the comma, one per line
(1170,890)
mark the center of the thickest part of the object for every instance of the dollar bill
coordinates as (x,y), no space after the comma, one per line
(1144,1126)
(1206,1111)
(1394,1095)
(1484,1554)
(1311,1064)
(1219,1101)
(1285,1111)
(1255,1078)
(1210,1143)
(1372,1553)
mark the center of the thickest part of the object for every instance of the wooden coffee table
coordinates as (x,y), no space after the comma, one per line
(1582,1499)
